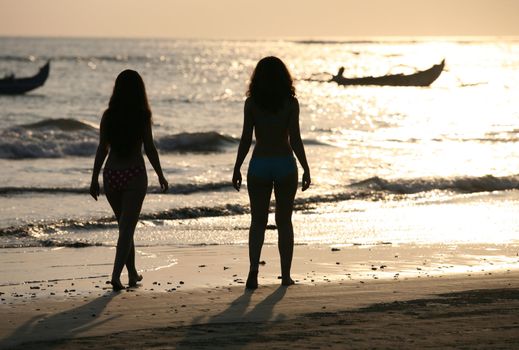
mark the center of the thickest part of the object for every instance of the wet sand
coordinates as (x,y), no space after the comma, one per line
(359,297)
(457,312)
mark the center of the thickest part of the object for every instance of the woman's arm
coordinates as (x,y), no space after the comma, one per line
(297,144)
(102,151)
(245,142)
(153,156)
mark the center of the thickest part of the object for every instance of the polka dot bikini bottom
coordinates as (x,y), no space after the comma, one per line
(118,179)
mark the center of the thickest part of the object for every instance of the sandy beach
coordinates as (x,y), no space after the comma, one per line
(348,297)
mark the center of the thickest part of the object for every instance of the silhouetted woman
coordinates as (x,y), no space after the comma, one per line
(125,127)
(272,112)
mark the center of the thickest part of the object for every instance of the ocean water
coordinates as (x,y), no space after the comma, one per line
(389,164)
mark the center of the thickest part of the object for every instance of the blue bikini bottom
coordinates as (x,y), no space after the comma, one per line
(273,168)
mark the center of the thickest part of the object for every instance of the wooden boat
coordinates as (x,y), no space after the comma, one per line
(420,78)
(15,86)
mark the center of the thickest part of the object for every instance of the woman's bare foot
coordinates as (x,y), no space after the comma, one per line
(133,279)
(287,281)
(252,280)
(116,285)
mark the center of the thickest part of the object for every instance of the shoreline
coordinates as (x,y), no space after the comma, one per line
(62,272)
(437,312)
(198,294)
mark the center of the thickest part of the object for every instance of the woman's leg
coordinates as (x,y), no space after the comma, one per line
(285,192)
(259,194)
(115,200)
(131,204)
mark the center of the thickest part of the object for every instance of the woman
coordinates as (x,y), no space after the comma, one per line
(272,112)
(125,127)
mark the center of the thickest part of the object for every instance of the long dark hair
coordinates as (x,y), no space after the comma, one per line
(127,113)
(271,84)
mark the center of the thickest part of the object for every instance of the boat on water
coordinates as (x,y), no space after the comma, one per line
(420,78)
(12,85)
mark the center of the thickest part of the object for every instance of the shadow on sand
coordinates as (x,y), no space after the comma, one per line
(207,332)
(55,329)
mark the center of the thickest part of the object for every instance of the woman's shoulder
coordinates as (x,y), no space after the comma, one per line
(249,102)
(293,103)
(293,100)
(104,117)
(250,106)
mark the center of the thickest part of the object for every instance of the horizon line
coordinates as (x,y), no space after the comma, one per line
(353,38)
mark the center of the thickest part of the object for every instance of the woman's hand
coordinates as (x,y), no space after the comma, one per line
(94,188)
(236,180)
(164,186)
(306,181)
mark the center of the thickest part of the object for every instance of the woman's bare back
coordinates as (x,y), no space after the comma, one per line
(271,129)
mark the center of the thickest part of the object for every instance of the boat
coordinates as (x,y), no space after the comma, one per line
(11,85)
(420,78)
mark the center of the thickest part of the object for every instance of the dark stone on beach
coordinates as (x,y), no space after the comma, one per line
(383,266)
(262,262)
(107,282)
(181,282)
(226,268)
(201,265)
(182,305)
(35,287)
(336,250)
(374,268)
(337,263)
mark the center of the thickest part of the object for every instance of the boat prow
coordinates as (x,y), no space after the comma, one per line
(17,86)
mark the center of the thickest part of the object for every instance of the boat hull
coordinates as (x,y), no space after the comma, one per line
(422,78)
(18,86)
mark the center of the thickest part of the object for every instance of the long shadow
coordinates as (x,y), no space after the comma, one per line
(55,329)
(234,314)
(264,310)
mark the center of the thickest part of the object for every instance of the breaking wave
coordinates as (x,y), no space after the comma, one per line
(56,138)
(464,184)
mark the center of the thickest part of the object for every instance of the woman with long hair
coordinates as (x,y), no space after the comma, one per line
(271,111)
(125,128)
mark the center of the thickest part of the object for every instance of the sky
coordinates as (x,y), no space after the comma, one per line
(242,19)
